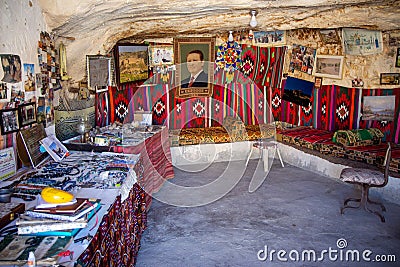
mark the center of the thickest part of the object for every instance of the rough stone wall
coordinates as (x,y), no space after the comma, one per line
(368,68)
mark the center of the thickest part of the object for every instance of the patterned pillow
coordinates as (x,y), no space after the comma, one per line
(359,137)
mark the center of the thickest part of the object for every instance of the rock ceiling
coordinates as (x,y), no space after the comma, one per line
(92,26)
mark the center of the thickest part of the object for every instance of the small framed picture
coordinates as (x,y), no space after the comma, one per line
(27,114)
(98,72)
(9,120)
(328,66)
(131,63)
(329,36)
(269,38)
(318,83)
(161,55)
(390,78)
(397,64)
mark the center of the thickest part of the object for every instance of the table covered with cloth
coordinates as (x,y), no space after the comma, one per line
(117,240)
(155,155)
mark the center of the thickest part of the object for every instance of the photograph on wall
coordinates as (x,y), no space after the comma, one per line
(302,59)
(328,66)
(269,38)
(9,120)
(17,94)
(362,42)
(380,108)
(195,59)
(298,91)
(4,96)
(390,78)
(29,78)
(49,111)
(161,55)
(27,114)
(12,68)
(394,39)
(329,36)
(397,64)
(39,84)
(41,111)
(132,63)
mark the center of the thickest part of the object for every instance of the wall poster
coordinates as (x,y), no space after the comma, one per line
(362,42)
(99,72)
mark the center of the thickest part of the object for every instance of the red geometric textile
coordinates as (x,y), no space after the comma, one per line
(306,113)
(249,61)
(159,102)
(336,108)
(263,65)
(102,113)
(177,116)
(275,103)
(119,233)
(217,106)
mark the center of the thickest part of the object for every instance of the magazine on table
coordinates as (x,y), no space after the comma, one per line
(54,147)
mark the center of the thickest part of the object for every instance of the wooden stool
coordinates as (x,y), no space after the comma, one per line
(264,146)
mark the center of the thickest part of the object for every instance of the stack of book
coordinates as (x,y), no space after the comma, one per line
(66,219)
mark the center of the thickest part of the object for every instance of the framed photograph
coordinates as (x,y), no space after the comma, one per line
(298,91)
(98,72)
(4,95)
(27,114)
(194,59)
(317,82)
(269,38)
(161,55)
(9,120)
(390,78)
(380,108)
(397,64)
(328,66)
(131,63)
(329,36)
(302,59)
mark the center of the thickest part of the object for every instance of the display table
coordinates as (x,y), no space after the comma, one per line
(122,218)
(117,240)
(155,155)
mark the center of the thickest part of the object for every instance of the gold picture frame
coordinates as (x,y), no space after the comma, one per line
(182,48)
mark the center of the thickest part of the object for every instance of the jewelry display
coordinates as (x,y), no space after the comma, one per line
(80,169)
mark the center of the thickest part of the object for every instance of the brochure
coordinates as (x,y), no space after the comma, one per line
(54,147)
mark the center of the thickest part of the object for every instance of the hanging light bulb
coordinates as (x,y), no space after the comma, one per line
(253,21)
(230,38)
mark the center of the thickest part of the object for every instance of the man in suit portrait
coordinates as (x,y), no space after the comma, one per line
(195,63)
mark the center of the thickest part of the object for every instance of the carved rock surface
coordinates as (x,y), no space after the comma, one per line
(93,26)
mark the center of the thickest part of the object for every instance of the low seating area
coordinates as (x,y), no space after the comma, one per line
(363,145)
(232,130)
(372,151)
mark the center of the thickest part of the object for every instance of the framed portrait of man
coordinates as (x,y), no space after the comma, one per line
(195,59)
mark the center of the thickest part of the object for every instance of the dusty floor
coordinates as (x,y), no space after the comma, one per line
(294,211)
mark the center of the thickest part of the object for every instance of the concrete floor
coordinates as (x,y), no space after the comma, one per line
(294,210)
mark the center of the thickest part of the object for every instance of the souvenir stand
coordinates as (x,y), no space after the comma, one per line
(122,177)
(117,239)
